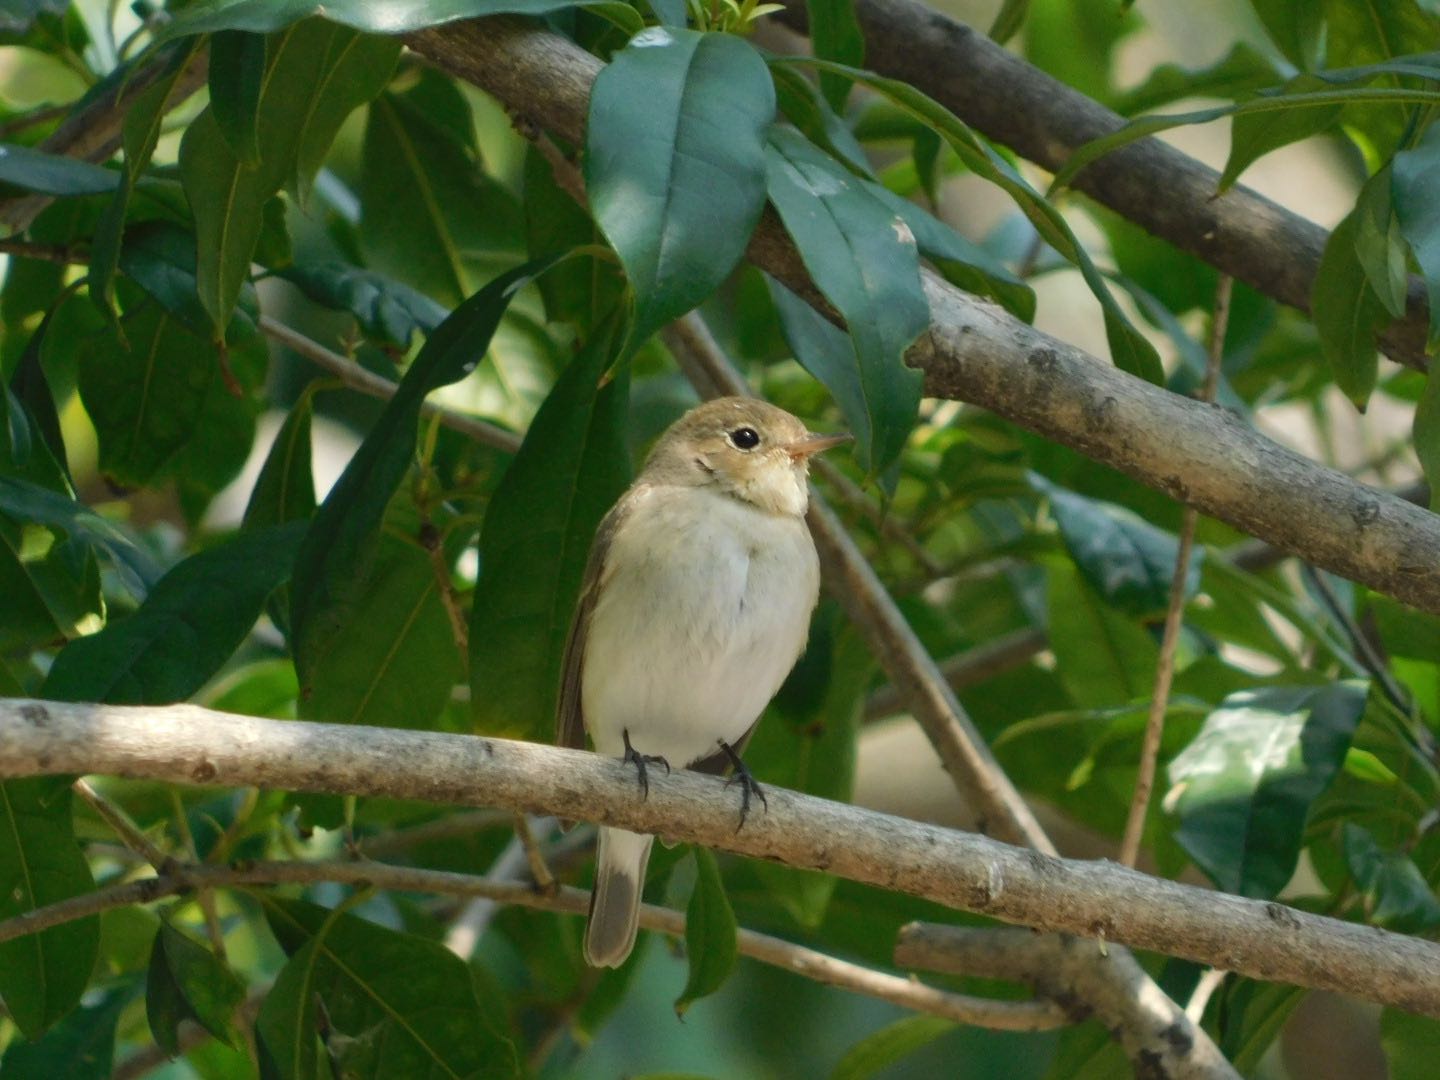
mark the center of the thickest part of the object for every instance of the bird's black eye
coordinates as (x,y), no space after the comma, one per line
(744,438)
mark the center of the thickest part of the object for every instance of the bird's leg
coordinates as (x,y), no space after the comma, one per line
(639,760)
(748,785)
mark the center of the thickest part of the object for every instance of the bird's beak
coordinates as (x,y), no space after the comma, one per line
(813,444)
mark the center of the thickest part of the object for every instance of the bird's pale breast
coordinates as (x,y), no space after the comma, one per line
(704,607)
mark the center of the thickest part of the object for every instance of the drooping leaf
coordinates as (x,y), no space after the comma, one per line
(709,933)
(1241,71)
(675,164)
(42,975)
(1008,20)
(53,174)
(1379,245)
(80,1047)
(1347,313)
(190,624)
(1253,1015)
(571,468)
(802,103)
(394,661)
(1255,134)
(186,981)
(881,1049)
(285,489)
(835,35)
(36,445)
(430,216)
(386,309)
(1426,436)
(394,1004)
(1417,208)
(237,77)
(863,257)
(1243,788)
(1396,894)
(334,561)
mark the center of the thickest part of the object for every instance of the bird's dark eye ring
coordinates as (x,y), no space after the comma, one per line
(745,438)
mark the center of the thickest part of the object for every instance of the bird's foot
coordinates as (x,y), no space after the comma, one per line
(640,761)
(747,782)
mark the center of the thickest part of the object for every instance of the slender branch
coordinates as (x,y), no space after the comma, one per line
(539,872)
(1174,612)
(1197,453)
(850,495)
(970,668)
(357,378)
(448,827)
(62,254)
(130,833)
(1161,189)
(1002,1015)
(187,744)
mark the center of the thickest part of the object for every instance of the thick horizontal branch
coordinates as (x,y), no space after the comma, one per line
(1159,188)
(1200,454)
(189,744)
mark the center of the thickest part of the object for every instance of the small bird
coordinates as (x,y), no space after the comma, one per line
(696,604)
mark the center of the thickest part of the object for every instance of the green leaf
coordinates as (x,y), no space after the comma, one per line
(40,506)
(1127,561)
(1417,208)
(1411,1044)
(1241,71)
(285,489)
(1426,436)
(1008,20)
(160,257)
(835,35)
(386,309)
(804,106)
(1347,313)
(237,77)
(1362,32)
(394,661)
(372,16)
(165,405)
(1255,134)
(53,174)
(334,560)
(188,627)
(431,217)
(1379,245)
(315,73)
(572,466)
(394,1005)
(863,258)
(42,975)
(709,934)
(1253,1014)
(1104,659)
(894,1042)
(1243,788)
(80,1047)
(1296,29)
(1396,894)
(675,164)
(186,981)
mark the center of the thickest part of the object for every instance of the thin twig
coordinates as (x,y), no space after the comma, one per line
(357,378)
(539,872)
(51,253)
(205,898)
(851,496)
(1174,612)
(130,833)
(908,993)
(970,668)
(450,826)
(20,123)
(1359,641)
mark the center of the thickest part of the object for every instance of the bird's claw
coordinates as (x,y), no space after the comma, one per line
(640,761)
(747,782)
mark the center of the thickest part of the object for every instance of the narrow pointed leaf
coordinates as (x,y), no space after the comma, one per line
(186,981)
(709,933)
(1417,208)
(892,1043)
(52,174)
(1347,314)
(1379,245)
(835,35)
(675,163)
(1104,658)
(285,489)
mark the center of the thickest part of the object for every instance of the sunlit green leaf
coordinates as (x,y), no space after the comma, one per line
(1104,658)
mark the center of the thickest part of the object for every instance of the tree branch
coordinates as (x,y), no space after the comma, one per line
(1164,191)
(186,744)
(1199,454)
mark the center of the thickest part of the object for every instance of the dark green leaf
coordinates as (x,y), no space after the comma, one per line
(191,623)
(52,174)
(1378,243)
(285,489)
(1128,561)
(80,1047)
(1426,436)
(431,217)
(675,166)
(1297,29)
(1411,1044)
(1417,208)
(372,16)
(1075,40)
(709,934)
(30,502)
(387,310)
(160,258)
(1347,314)
(835,35)
(334,560)
(394,661)
(1104,659)
(32,423)
(187,981)
(894,1042)
(1008,20)
(1396,894)
(1253,1015)
(237,76)
(805,107)
(571,468)
(863,258)
(42,975)
(1364,32)
(1243,788)
(1255,134)
(394,1005)
(1241,71)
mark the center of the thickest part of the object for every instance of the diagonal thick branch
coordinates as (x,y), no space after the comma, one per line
(188,744)
(1159,188)
(1201,454)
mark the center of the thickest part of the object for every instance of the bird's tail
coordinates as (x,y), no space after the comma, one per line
(615,903)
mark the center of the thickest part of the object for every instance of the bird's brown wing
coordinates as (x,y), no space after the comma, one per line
(569,713)
(718,763)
